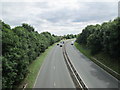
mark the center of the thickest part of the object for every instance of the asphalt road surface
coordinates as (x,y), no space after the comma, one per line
(92,75)
(54,72)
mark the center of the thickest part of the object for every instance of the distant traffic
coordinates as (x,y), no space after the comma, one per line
(62,43)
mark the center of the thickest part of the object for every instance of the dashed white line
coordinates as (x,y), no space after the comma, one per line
(54,84)
(54,67)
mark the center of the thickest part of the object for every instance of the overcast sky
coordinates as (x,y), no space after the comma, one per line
(58,16)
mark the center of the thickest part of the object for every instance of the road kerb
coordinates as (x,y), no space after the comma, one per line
(78,81)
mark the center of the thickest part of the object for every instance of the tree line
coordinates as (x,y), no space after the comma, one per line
(104,37)
(69,36)
(20,46)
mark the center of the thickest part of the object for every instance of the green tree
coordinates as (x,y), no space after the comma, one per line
(20,46)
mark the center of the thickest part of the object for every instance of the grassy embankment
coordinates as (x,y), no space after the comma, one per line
(34,68)
(102,58)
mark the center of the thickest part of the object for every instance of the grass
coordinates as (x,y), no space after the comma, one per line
(34,68)
(108,61)
(83,50)
(101,57)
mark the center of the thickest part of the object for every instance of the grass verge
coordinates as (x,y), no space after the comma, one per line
(102,60)
(34,68)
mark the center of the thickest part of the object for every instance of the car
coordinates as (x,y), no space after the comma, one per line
(60,45)
(71,43)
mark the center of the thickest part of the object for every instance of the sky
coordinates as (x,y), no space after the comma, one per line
(58,17)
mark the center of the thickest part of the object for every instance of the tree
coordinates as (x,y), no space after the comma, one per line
(94,43)
(104,37)
(21,45)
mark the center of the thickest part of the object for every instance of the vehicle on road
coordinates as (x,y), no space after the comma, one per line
(72,43)
(60,45)
(62,42)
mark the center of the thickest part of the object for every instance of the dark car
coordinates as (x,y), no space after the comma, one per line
(71,43)
(60,45)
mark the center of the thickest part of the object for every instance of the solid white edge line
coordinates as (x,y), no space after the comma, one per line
(105,66)
(38,75)
(79,75)
(69,73)
(54,84)
(41,68)
(99,66)
(39,71)
(74,73)
(54,67)
(77,72)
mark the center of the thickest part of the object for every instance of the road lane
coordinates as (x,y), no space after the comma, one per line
(53,73)
(92,75)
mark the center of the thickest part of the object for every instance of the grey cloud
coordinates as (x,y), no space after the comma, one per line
(42,17)
(58,15)
(99,11)
(43,5)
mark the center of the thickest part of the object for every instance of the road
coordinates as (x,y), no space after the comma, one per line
(54,72)
(92,75)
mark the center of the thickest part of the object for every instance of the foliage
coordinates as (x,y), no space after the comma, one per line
(104,37)
(20,46)
(69,36)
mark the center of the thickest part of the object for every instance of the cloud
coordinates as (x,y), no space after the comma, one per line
(58,16)
(59,0)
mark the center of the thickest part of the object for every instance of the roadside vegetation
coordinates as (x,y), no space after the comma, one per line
(69,36)
(102,42)
(34,68)
(23,49)
(20,48)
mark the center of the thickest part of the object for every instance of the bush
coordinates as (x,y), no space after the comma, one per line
(21,45)
(103,37)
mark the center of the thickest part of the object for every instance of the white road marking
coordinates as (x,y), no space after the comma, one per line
(38,74)
(54,67)
(54,84)
(107,83)
(93,69)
